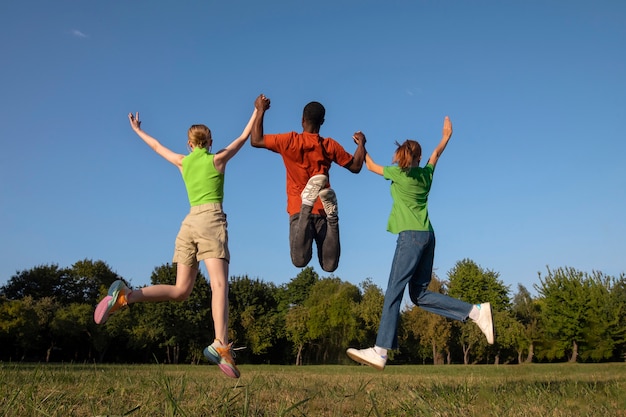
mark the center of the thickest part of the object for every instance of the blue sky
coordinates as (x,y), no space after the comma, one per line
(534,175)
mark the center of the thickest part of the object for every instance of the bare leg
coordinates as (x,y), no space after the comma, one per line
(185,280)
(218,278)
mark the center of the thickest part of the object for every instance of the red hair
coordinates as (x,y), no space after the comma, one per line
(407,153)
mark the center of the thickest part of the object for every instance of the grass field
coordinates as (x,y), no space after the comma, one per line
(447,390)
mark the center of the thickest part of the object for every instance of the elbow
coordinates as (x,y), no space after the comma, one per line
(256,140)
(355,168)
(358,166)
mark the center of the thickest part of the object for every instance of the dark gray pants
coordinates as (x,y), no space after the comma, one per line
(304,228)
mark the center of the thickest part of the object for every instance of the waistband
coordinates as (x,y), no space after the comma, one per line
(206,206)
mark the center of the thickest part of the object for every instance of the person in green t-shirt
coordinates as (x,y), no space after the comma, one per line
(203,236)
(415,249)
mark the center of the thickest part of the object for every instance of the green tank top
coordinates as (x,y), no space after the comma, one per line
(203,182)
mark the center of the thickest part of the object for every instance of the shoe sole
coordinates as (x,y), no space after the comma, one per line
(308,195)
(228,370)
(102,310)
(104,307)
(493,327)
(212,355)
(329,198)
(362,361)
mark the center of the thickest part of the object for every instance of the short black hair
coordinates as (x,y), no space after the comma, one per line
(314,112)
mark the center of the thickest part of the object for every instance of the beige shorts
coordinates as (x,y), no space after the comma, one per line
(202,235)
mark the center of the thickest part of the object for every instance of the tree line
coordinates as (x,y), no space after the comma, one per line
(46,315)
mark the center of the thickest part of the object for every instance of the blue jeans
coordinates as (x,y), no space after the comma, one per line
(413,265)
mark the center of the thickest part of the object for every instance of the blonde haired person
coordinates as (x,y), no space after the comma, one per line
(203,236)
(415,249)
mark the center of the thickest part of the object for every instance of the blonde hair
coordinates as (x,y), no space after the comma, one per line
(407,153)
(199,136)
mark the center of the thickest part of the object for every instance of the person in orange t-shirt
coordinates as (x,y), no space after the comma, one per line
(311,202)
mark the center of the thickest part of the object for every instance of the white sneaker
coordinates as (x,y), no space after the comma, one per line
(368,357)
(329,200)
(485,321)
(312,189)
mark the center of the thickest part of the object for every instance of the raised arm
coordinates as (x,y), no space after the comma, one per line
(373,166)
(261,104)
(170,156)
(445,137)
(359,155)
(224,155)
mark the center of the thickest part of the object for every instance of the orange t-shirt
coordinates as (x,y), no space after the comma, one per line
(305,154)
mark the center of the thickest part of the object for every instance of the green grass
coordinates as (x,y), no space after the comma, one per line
(448,390)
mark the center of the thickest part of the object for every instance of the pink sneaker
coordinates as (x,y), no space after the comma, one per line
(115,300)
(222,356)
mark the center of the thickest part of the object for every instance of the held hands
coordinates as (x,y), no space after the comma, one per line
(262,103)
(359,138)
(134,121)
(447,128)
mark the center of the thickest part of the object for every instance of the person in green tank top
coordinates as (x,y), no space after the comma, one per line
(415,250)
(203,236)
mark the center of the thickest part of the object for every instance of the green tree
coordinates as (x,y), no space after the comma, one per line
(510,334)
(299,288)
(527,312)
(566,296)
(604,330)
(474,284)
(369,311)
(332,317)
(25,323)
(471,340)
(38,282)
(46,308)
(296,326)
(471,283)
(253,315)
(618,300)
(50,291)
(431,330)
(295,315)
(19,329)
(170,331)
(87,280)
(72,329)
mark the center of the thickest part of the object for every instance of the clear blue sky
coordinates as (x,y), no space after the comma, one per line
(534,175)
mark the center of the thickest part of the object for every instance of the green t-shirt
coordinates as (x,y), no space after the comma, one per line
(203,182)
(409,190)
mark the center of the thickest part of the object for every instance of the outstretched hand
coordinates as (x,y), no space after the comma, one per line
(262,103)
(134,121)
(359,138)
(447,128)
